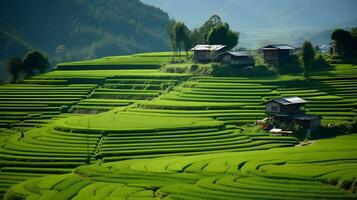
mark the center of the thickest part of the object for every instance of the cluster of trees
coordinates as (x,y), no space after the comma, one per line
(33,62)
(345,41)
(213,31)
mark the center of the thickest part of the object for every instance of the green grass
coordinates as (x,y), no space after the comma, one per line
(309,172)
(198,130)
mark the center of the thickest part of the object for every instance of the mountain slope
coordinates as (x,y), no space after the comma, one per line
(83,29)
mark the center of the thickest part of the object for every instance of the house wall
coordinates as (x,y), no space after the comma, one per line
(276,57)
(316,123)
(226,58)
(271,56)
(272,107)
(275,108)
(293,109)
(241,60)
(284,56)
(202,56)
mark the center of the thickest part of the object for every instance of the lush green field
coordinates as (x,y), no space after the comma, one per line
(136,61)
(177,136)
(311,172)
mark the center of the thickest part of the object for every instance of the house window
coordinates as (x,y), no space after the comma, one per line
(275,108)
(302,108)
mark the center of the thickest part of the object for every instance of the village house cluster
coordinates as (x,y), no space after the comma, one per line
(276,55)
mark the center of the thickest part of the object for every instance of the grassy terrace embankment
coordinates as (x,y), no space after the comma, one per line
(146,113)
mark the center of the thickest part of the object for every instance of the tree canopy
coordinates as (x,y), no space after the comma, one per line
(220,34)
(179,36)
(215,31)
(345,41)
(34,62)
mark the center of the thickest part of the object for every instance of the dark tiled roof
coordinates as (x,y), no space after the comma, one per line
(289,100)
(279,46)
(238,53)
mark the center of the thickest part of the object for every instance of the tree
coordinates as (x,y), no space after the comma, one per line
(200,35)
(221,34)
(354,39)
(181,36)
(218,34)
(171,33)
(188,42)
(307,57)
(34,62)
(342,40)
(232,39)
(14,66)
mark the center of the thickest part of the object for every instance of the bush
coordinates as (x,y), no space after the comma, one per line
(64,109)
(335,129)
(320,63)
(292,67)
(231,70)
(14,66)
(34,62)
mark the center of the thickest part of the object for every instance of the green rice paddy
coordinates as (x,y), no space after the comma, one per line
(118,127)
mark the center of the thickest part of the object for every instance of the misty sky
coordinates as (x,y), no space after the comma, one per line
(245,14)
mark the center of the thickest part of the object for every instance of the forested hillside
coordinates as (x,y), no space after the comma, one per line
(81,29)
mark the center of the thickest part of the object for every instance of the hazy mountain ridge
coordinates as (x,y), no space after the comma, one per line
(84,29)
(261,21)
(261,13)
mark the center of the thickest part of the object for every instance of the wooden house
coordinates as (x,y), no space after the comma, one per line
(239,58)
(207,53)
(291,111)
(277,55)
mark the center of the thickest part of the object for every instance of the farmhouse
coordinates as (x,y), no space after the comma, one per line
(278,54)
(291,111)
(239,58)
(207,53)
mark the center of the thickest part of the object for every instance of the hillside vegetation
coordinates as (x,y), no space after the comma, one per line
(132,131)
(81,29)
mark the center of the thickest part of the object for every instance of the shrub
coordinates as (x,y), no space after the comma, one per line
(14,66)
(194,68)
(64,109)
(292,67)
(228,70)
(335,129)
(320,63)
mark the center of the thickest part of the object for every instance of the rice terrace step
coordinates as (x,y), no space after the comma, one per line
(122,101)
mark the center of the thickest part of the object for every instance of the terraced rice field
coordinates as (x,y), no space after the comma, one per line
(148,134)
(240,100)
(310,172)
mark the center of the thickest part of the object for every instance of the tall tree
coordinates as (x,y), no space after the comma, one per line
(342,40)
(14,66)
(188,42)
(171,33)
(221,34)
(181,36)
(200,35)
(34,62)
(307,57)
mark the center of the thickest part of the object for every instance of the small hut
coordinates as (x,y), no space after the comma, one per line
(207,53)
(239,58)
(277,54)
(291,111)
